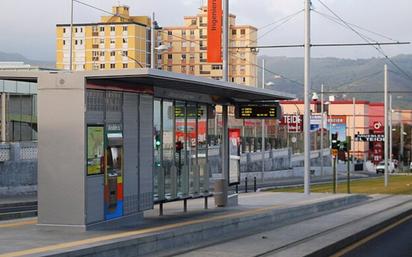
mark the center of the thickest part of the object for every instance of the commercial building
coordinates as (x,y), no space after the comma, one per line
(347,119)
(187,50)
(119,41)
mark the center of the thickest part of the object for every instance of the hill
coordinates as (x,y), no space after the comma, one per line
(344,77)
(15,57)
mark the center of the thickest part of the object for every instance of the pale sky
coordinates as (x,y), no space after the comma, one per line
(28,27)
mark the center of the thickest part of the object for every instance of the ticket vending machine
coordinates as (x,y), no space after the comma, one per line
(113,188)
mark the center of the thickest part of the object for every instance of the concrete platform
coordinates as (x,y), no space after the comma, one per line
(175,230)
(320,236)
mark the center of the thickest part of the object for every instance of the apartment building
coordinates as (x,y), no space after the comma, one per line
(119,41)
(187,50)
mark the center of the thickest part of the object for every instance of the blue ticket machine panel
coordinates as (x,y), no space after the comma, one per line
(113,182)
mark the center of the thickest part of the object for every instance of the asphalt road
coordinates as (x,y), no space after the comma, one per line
(394,243)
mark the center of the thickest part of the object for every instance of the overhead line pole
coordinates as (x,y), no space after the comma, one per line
(306,94)
(386,122)
(71,37)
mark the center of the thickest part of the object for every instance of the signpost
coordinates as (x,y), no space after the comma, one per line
(370,137)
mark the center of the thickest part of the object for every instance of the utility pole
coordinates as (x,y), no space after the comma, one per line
(353,129)
(306,96)
(225,128)
(386,122)
(153,43)
(321,129)
(262,177)
(226,40)
(402,144)
(71,37)
(390,129)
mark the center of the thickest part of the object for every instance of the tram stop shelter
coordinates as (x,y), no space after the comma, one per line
(111,144)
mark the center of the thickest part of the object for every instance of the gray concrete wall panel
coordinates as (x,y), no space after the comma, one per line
(62,156)
(95,199)
(130,130)
(146,152)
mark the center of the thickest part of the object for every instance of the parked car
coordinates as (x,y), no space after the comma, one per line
(380,168)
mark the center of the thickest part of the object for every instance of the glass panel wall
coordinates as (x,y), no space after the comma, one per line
(158,176)
(202,147)
(181,157)
(168,162)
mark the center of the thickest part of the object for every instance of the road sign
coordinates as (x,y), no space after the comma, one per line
(370,137)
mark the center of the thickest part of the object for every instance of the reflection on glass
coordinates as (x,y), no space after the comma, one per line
(214,136)
(191,136)
(181,148)
(202,149)
(158,175)
(168,145)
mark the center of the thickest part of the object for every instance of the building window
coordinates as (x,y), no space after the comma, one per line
(112,41)
(64,30)
(183,68)
(217,67)
(169,68)
(75,42)
(75,30)
(112,53)
(184,44)
(102,53)
(125,53)
(192,57)
(101,29)
(183,57)
(102,66)
(192,68)
(193,22)
(170,33)
(124,40)
(64,42)
(124,28)
(183,32)
(81,30)
(242,32)
(95,29)
(112,66)
(81,42)
(244,80)
(233,79)
(192,32)
(102,41)
(124,65)
(112,28)
(234,32)
(170,56)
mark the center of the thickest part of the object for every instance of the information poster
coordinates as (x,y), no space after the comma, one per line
(95,150)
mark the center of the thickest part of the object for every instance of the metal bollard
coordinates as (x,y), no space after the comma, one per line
(254,184)
(237,189)
(246,185)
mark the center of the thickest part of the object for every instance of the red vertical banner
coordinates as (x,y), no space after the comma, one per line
(214,31)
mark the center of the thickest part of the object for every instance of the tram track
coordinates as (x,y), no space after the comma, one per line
(18,210)
(273,251)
